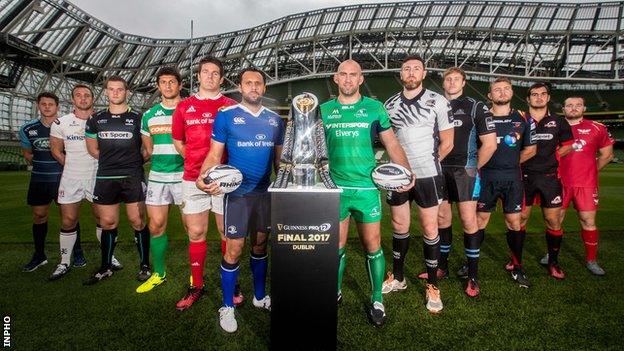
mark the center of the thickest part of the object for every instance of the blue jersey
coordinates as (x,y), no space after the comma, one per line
(250,140)
(35,136)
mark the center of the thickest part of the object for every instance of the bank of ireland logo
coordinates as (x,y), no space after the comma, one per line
(511,139)
(260,137)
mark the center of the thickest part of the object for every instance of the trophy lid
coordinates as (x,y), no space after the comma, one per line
(305,102)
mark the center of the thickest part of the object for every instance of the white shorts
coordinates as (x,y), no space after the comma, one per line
(197,201)
(72,191)
(163,194)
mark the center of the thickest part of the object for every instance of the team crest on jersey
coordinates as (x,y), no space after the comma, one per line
(129,122)
(551,124)
(239,120)
(190,109)
(489,123)
(578,144)
(273,122)
(361,113)
(159,113)
(517,124)
(232,229)
(458,123)
(430,103)
(584,131)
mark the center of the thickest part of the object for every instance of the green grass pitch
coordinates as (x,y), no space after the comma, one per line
(582,312)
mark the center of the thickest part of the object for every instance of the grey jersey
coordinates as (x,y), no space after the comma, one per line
(417,123)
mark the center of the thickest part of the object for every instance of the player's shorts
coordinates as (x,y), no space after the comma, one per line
(461,184)
(72,191)
(509,191)
(427,192)
(197,201)
(547,186)
(113,191)
(585,199)
(159,194)
(364,205)
(42,193)
(246,214)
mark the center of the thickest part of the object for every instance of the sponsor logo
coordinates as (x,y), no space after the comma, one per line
(584,131)
(74,137)
(517,124)
(518,207)
(551,124)
(348,125)
(190,109)
(159,113)
(543,136)
(33,133)
(273,122)
(430,103)
(129,122)
(489,123)
(361,113)
(239,120)
(556,200)
(257,143)
(115,135)
(116,116)
(317,228)
(102,121)
(346,107)
(192,122)
(206,114)
(578,144)
(334,116)
(42,144)
(260,136)
(497,121)
(57,122)
(73,124)
(375,212)
(232,229)
(348,133)
(458,123)
(510,139)
(160,129)
(460,112)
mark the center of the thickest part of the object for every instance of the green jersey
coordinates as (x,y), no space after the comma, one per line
(167,164)
(350,131)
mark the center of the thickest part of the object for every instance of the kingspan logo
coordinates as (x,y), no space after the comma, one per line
(324,227)
(115,135)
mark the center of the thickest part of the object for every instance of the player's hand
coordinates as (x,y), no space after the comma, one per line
(211,188)
(407,187)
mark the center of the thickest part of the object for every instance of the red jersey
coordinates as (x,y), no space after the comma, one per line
(192,124)
(579,168)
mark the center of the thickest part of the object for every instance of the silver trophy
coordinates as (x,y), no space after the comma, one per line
(304,155)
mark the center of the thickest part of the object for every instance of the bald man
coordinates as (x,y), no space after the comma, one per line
(351,123)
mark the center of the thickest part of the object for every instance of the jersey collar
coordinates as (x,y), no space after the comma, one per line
(407,101)
(262,108)
(208,98)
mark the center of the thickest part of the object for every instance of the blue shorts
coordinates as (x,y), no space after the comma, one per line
(243,215)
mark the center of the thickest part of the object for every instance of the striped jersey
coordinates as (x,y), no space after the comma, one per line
(167,163)
(35,136)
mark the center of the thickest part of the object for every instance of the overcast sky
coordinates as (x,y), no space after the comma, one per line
(171,18)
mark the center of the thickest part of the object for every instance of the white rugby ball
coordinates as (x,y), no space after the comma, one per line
(391,176)
(229,178)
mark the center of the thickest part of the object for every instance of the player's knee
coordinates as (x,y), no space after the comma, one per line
(39,217)
(69,222)
(588,223)
(400,225)
(156,229)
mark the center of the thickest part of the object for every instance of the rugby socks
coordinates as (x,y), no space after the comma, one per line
(553,241)
(431,250)
(515,241)
(67,240)
(229,276)
(107,246)
(159,246)
(197,257)
(142,241)
(77,246)
(342,262)
(446,240)
(400,245)
(259,264)
(376,267)
(472,250)
(39,232)
(98,232)
(590,238)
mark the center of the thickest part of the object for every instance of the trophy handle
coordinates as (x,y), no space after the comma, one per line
(322,158)
(285,166)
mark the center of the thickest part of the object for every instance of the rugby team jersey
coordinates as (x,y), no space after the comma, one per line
(192,124)
(119,141)
(513,133)
(250,140)
(350,131)
(167,164)
(417,123)
(551,132)
(471,119)
(35,135)
(579,168)
(79,164)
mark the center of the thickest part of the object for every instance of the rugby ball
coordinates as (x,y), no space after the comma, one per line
(229,178)
(391,176)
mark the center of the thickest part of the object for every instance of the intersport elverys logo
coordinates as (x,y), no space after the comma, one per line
(318,228)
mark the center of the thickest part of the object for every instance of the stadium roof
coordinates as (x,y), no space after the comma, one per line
(52,44)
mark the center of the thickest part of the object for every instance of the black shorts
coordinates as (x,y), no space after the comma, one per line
(42,193)
(511,193)
(247,214)
(548,187)
(427,192)
(461,184)
(113,191)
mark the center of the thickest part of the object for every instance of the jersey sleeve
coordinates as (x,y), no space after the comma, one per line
(605,138)
(528,137)
(219,129)
(177,124)
(144,125)
(565,132)
(484,122)
(24,141)
(56,130)
(91,128)
(444,114)
(384,119)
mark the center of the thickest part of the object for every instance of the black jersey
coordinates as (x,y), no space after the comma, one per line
(35,135)
(119,141)
(513,133)
(551,132)
(471,120)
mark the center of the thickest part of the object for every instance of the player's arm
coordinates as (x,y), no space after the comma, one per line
(564,150)
(605,155)
(26,146)
(28,155)
(446,127)
(180,147)
(396,153)
(527,153)
(56,148)
(148,146)
(446,142)
(177,131)
(93,147)
(212,159)
(529,147)
(487,149)
(566,138)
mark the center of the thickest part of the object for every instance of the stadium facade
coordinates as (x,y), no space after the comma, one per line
(50,45)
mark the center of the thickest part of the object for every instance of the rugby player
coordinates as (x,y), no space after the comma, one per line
(191,130)
(44,178)
(591,151)
(501,176)
(248,208)
(352,122)
(553,138)
(113,137)
(164,185)
(423,122)
(474,144)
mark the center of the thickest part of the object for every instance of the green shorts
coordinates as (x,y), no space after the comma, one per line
(363,204)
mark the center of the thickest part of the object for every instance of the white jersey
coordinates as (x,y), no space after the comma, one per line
(79,164)
(417,123)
